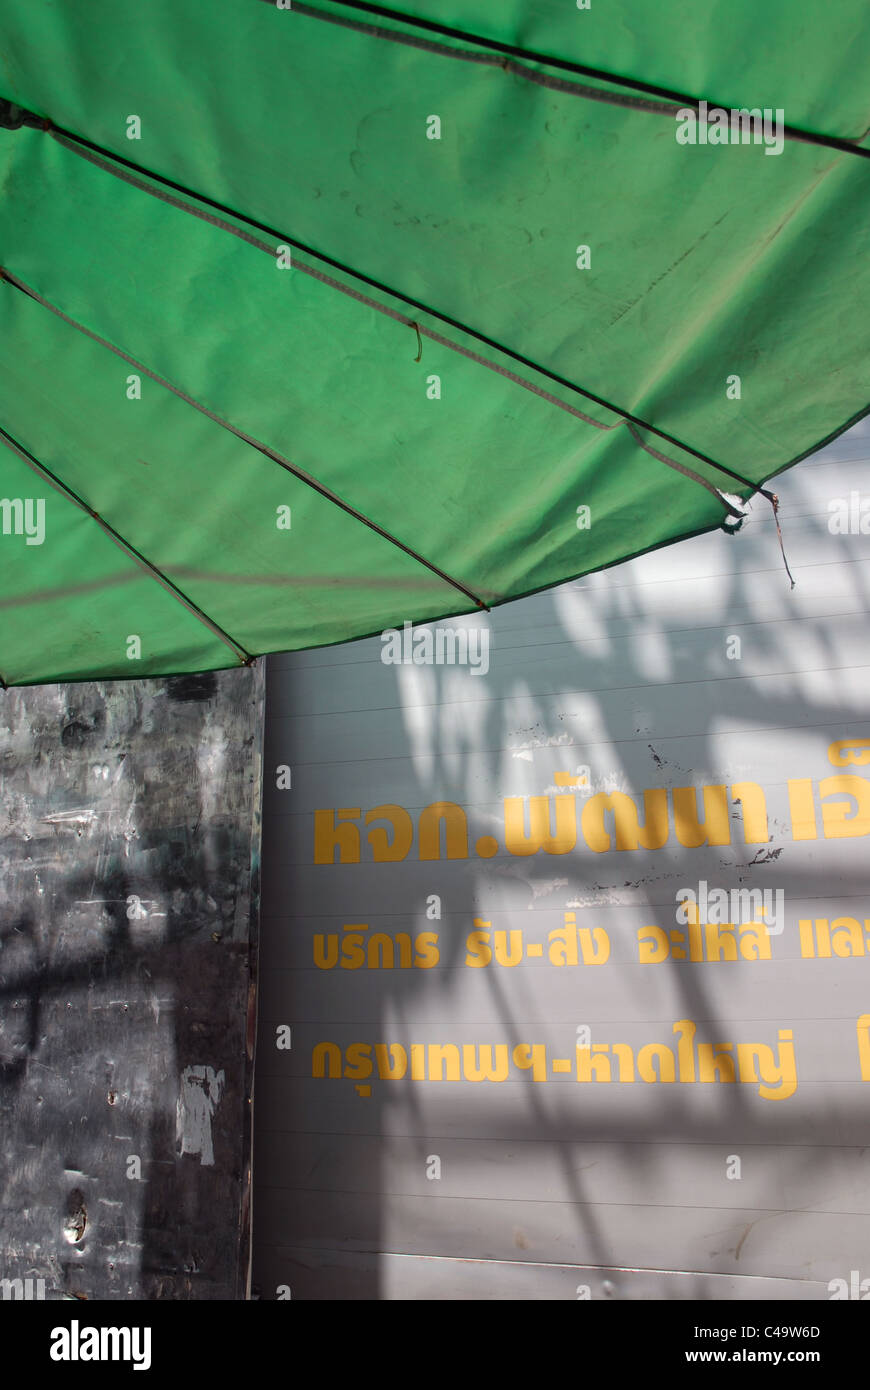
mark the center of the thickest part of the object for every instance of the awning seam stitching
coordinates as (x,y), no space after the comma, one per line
(262,448)
(110,163)
(151,569)
(669,97)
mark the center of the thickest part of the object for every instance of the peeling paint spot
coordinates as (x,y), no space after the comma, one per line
(81,817)
(199,1096)
(76,1219)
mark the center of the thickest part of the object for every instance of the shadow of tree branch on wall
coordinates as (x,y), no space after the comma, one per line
(634,674)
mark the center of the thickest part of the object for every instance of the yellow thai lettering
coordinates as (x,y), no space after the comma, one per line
(802,809)
(326,1056)
(716,829)
(452,818)
(842,820)
(387,848)
(441,1057)
(333,831)
(754,808)
(531,1057)
(628,834)
(541,833)
(477,951)
(494,1062)
(427,950)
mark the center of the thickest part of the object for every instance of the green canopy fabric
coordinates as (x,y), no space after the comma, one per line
(321,317)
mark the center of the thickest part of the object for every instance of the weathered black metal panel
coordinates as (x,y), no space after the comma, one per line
(129,856)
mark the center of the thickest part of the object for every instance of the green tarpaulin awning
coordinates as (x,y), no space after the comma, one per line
(320,318)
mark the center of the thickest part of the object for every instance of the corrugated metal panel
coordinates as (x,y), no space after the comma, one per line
(693,667)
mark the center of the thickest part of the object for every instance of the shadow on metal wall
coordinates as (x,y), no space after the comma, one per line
(339,1197)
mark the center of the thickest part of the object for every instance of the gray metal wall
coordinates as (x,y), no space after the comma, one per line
(129,833)
(562,1188)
